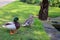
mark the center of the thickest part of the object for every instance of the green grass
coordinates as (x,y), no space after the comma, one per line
(54,12)
(18,7)
(35,33)
(23,10)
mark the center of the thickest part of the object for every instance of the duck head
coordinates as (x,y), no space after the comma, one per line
(17,24)
(16,19)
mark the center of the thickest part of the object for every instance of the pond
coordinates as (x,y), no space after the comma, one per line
(56,24)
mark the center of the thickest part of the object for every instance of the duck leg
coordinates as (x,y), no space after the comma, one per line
(11,32)
(15,31)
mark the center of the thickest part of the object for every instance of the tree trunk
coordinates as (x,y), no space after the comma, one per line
(43,13)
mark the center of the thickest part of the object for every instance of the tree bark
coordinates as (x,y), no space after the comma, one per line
(43,13)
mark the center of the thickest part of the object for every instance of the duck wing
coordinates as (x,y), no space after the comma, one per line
(8,24)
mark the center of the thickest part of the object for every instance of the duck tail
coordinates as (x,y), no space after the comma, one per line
(3,26)
(23,25)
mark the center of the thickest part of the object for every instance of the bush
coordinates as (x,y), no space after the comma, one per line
(31,1)
(23,0)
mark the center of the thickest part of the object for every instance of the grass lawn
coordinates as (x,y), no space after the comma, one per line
(54,12)
(23,11)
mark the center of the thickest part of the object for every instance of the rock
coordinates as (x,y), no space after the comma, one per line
(56,25)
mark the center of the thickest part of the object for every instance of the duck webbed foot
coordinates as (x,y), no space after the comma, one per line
(13,31)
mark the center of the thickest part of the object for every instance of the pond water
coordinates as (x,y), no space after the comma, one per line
(56,24)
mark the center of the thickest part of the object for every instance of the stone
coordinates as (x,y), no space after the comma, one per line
(56,25)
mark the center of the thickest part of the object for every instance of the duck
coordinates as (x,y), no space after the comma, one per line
(12,26)
(28,21)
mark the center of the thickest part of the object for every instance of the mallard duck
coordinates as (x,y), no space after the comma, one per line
(12,26)
(28,21)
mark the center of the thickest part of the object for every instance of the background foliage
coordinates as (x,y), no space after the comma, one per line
(53,3)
